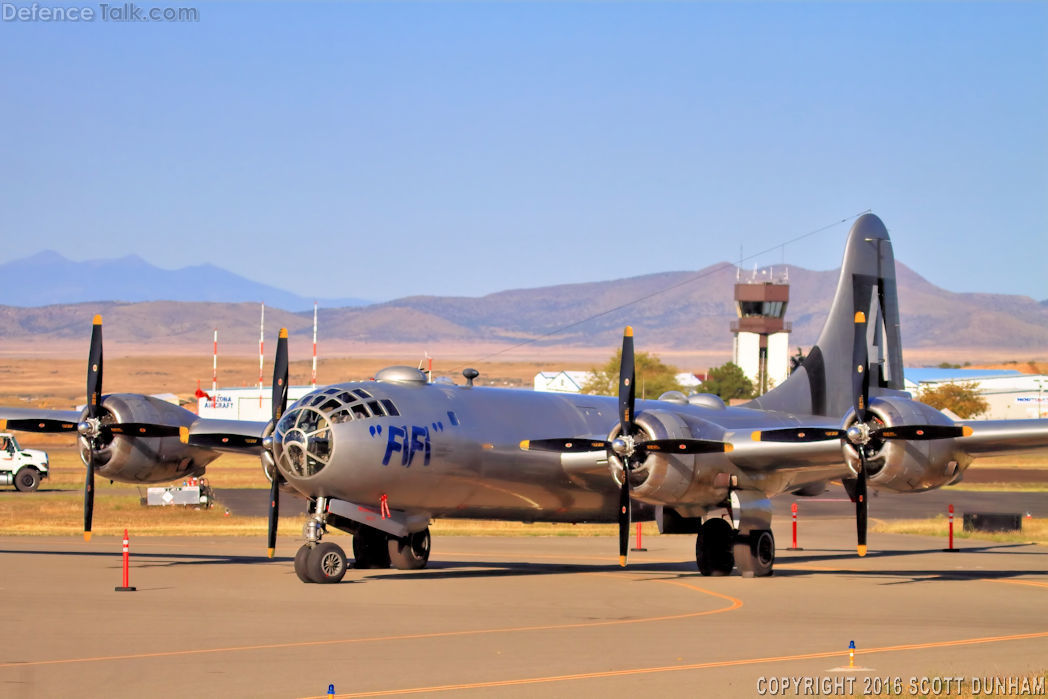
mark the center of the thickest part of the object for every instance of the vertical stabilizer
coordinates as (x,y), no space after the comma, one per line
(822,384)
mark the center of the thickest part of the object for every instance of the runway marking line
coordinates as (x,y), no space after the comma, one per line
(734,603)
(677,668)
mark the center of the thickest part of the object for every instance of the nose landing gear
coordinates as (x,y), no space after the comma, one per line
(317,561)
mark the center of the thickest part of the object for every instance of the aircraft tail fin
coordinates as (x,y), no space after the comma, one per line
(822,384)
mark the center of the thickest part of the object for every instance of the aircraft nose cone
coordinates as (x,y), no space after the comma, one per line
(302,442)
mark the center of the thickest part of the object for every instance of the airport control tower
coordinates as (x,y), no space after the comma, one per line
(762,337)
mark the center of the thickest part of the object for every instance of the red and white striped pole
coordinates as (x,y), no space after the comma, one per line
(951,548)
(126,587)
(793,510)
(214,368)
(261,351)
(314,379)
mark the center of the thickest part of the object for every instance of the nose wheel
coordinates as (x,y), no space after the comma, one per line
(323,563)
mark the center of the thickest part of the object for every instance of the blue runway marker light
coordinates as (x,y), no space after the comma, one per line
(331,690)
(851,654)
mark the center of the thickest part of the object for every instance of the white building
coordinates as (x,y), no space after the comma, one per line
(561,381)
(1012,395)
(245,403)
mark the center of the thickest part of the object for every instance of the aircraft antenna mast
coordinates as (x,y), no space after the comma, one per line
(314,379)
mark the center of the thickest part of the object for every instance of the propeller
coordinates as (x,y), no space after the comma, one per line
(91,426)
(625,445)
(627,395)
(862,432)
(280,374)
(861,395)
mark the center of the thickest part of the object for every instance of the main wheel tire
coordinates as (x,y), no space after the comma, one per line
(370,549)
(27,480)
(326,563)
(410,552)
(301,564)
(713,545)
(755,554)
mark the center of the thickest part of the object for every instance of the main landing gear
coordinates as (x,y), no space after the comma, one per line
(719,548)
(325,562)
(744,542)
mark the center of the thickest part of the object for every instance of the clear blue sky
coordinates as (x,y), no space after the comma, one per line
(381,150)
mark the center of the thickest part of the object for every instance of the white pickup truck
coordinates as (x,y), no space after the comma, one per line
(22,468)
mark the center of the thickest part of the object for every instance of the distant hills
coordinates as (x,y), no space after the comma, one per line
(670,311)
(133,279)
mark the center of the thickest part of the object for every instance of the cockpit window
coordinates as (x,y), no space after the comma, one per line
(302,439)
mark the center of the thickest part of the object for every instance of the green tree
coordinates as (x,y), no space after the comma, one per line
(653,378)
(962,399)
(728,382)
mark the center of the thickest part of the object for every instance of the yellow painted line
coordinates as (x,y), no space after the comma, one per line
(691,666)
(734,604)
(1031,583)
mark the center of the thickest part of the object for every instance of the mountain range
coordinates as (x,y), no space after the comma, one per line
(670,310)
(133,279)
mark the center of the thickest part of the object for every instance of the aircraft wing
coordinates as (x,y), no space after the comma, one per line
(751,454)
(991,437)
(38,419)
(234,436)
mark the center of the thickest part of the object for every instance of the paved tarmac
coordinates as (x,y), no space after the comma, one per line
(514,617)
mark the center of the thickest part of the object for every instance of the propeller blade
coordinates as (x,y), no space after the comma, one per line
(627,391)
(860,375)
(274,515)
(144,429)
(94,370)
(94,409)
(861,504)
(220,440)
(624,518)
(280,368)
(89,494)
(569,445)
(921,432)
(38,425)
(684,446)
(797,434)
(279,403)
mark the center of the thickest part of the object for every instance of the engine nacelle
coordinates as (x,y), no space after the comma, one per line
(132,459)
(667,479)
(907,465)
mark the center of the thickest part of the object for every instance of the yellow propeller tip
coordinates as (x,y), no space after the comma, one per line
(622,561)
(97,320)
(756,435)
(3,425)
(183,435)
(283,333)
(87,536)
(728,447)
(860,317)
(862,550)
(269,552)
(629,331)
(525,444)
(966,431)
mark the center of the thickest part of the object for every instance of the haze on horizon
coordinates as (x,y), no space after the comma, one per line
(384,150)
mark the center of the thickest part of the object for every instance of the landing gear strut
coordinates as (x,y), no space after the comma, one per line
(316,561)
